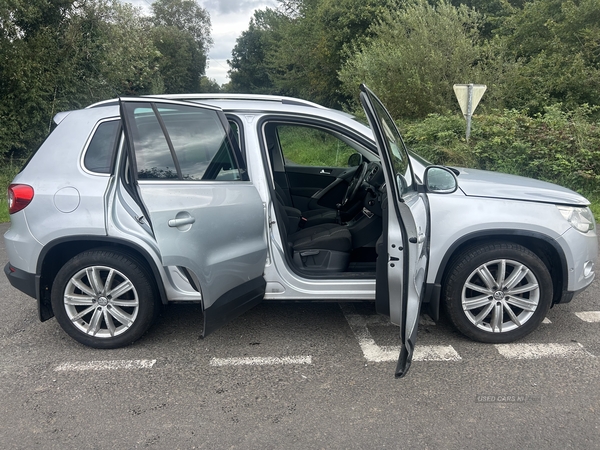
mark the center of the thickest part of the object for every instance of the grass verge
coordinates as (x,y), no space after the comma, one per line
(7,173)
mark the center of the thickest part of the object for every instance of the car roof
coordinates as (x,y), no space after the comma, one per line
(255,103)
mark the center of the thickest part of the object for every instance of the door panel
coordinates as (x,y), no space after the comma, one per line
(405,247)
(307,183)
(205,215)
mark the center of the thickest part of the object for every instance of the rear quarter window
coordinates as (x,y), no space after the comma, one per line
(100,151)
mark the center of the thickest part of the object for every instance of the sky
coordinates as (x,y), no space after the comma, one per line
(228,18)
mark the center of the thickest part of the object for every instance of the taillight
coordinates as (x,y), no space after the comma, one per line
(19,196)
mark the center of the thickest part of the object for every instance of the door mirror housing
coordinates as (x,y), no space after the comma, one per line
(355,160)
(440,180)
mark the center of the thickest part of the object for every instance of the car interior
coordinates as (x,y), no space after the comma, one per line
(334,232)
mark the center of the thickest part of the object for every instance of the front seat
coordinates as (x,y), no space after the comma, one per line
(324,247)
(310,217)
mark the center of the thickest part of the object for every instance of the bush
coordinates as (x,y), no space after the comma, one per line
(556,146)
(8,170)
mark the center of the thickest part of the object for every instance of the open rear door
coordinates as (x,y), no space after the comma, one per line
(187,177)
(404,246)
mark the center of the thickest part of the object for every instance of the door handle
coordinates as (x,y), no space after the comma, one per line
(182,221)
(325,172)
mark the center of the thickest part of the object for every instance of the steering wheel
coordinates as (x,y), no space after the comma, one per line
(355,184)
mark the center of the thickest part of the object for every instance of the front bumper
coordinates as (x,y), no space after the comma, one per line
(581,254)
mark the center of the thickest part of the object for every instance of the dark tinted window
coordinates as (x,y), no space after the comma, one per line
(181,142)
(99,155)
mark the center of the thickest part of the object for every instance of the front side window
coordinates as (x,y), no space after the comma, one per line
(179,142)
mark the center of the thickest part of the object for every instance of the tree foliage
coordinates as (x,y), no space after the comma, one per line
(57,55)
(249,71)
(298,49)
(416,55)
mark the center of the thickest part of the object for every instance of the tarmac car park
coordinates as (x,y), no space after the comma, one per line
(230,200)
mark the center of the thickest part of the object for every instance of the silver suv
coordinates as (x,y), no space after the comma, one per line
(229,200)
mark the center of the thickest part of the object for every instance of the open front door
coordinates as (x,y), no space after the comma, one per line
(404,247)
(186,175)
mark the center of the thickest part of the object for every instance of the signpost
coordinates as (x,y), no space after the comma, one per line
(468,96)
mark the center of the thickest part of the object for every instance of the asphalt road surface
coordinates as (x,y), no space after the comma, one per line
(298,375)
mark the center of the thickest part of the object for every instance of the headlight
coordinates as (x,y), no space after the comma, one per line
(581,219)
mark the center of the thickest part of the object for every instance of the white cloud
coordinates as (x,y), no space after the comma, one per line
(228,18)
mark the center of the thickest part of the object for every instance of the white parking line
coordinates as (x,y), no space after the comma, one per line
(589,316)
(375,353)
(106,365)
(260,361)
(537,351)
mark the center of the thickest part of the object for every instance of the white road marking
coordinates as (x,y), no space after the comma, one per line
(537,351)
(375,353)
(589,316)
(106,365)
(435,353)
(546,321)
(260,361)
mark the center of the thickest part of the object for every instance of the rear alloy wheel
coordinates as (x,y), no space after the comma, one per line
(497,292)
(103,299)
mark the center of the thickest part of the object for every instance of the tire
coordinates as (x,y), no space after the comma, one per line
(111,312)
(490,306)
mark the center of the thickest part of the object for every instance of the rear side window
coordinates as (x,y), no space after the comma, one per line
(179,142)
(101,149)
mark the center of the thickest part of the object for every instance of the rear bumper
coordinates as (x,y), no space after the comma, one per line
(21,280)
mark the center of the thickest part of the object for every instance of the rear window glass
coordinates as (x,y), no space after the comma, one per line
(181,142)
(99,154)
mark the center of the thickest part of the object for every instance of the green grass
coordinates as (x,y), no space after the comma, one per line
(7,172)
(595,206)
(313,147)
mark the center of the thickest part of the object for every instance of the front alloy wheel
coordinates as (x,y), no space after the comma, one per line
(103,299)
(497,292)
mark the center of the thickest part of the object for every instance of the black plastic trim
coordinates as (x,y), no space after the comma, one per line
(233,304)
(103,240)
(495,234)
(21,280)
(431,300)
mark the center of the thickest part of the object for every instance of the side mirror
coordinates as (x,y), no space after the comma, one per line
(355,160)
(440,180)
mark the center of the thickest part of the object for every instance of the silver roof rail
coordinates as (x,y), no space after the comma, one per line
(231,97)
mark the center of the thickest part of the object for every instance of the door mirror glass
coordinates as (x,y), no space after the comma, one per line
(355,160)
(440,180)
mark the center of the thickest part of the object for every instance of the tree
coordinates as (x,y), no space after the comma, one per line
(549,54)
(181,34)
(249,71)
(209,85)
(59,55)
(315,43)
(416,55)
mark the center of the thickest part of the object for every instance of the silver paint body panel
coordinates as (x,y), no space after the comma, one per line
(484,202)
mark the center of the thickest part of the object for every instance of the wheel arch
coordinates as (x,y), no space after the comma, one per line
(546,248)
(56,253)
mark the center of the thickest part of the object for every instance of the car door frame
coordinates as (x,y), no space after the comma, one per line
(403,249)
(245,291)
(338,177)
